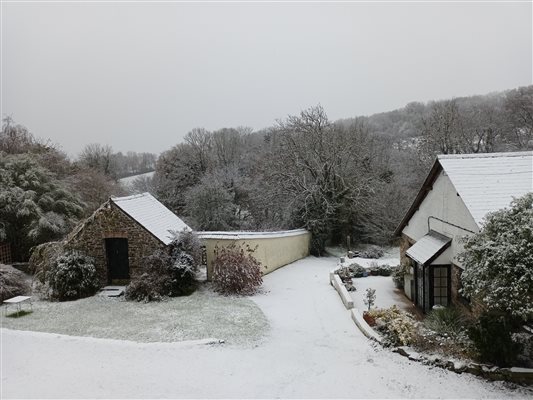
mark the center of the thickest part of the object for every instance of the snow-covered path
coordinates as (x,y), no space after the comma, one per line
(313,351)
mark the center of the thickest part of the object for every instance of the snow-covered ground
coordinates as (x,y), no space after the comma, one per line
(313,350)
(129,180)
(203,314)
(391,257)
(386,293)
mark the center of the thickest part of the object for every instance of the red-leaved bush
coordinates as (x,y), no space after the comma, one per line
(236,271)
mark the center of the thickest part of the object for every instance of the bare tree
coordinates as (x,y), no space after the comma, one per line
(97,156)
(519,108)
(201,142)
(325,171)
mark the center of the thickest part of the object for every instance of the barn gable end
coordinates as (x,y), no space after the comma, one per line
(109,222)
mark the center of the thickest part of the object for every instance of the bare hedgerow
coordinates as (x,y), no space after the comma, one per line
(236,271)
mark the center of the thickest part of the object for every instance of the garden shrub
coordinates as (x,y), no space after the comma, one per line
(458,345)
(12,282)
(356,270)
(398,275)
(169,272)
(236,271)
(446,320)
(498,261)
(492,337)
(372,252)
(43,257)
(380,270)
(398,327)
(154,282)
(72,276)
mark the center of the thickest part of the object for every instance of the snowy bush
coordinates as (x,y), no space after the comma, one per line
(398,327)
(168,272)
(155,281)
(398,275)
(352,271)
(499,261)
(236,271)
(43,257)
(12,282)
(187,242)
(72,276)
(372,252)
(380,270)
(493,339)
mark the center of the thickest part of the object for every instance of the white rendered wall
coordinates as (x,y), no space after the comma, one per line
(444,203)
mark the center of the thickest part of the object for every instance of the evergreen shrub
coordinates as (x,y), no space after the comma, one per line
(72,276)
(12,282)
(492,337)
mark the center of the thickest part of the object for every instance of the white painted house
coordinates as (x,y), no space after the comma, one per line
(455,197)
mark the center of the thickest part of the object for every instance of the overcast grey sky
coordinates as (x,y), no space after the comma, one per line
(139,76)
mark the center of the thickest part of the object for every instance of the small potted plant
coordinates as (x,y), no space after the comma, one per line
(369,300)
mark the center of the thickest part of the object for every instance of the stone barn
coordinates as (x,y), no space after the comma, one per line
(123,231)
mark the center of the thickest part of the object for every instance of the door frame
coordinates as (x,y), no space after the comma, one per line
(127,258)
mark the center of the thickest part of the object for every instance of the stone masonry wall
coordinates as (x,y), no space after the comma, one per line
(110,222)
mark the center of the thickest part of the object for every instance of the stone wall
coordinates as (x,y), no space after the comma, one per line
(405,243)
(111,222)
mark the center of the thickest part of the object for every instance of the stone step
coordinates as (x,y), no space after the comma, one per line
(112,291)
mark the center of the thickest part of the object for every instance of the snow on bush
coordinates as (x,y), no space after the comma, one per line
(43,257)
(380,270)
(499,261)
(236,271)
(168,272)
(398,327)
(398,275)
(189,243)
(372,252)
(12,282)
(354,270)
(72,276)
(155,280)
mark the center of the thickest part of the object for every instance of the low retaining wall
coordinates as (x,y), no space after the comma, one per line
(272,249)
(336,281)
(517,375)
(364,327)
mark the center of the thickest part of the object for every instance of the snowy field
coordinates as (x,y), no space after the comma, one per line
(312,350)
(204,314)
(129,180)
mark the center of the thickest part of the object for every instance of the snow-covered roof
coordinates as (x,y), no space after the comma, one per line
(428,247)
(488,182)
(152,215)
(235,235)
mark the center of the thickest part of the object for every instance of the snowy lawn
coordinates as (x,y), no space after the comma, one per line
(204,314)
(313,350)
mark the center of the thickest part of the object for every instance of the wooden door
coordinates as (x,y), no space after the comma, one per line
(118,266)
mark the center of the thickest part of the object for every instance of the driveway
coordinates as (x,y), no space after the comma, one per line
(313,350)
